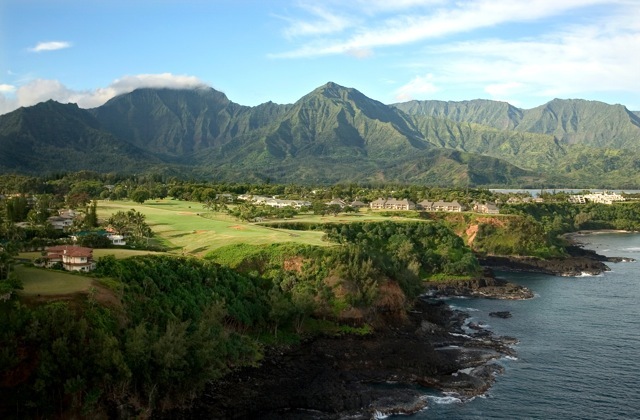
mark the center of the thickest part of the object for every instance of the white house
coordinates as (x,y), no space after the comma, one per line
(116,239)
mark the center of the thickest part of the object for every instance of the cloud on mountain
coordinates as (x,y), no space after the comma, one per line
(39,90)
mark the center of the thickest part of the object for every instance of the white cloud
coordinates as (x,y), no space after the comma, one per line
(432,22)
(50,46)
(4,88)
(360,53)
(590,60)
(323,22)
(593,58)
(40,90)
(418,88)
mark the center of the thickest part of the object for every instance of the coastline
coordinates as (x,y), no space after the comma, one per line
(573,238)
(359,377)
(579,261)
(432,349)
(390,371)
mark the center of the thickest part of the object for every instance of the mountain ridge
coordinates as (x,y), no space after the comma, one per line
(333,134)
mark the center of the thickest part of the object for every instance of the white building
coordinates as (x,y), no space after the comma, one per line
(604,197)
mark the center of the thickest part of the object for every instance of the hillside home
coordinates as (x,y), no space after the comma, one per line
(357,204)
(59,222)
(72,258)
(486,208)
(63,220)
(337,202)
(117,240)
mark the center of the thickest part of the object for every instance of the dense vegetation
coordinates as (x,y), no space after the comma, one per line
(171,325)
(153,330)
(157,328)
(557,218)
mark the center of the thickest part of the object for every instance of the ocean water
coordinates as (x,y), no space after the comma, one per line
(579,350)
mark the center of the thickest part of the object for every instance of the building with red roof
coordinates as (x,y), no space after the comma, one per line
(72,258)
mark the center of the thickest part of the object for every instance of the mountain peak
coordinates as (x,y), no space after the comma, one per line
(332,90)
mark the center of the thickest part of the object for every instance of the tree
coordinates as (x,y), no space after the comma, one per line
(139,195)
(334,209)
(119,223)
(132,223)
(280,308)
(319,208)
(94,240)
(91,218)
(7,252)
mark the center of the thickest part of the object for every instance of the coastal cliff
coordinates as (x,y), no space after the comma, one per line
(579,261)
(358,376)
(377,374)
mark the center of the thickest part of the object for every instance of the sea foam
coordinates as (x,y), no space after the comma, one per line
(445,400)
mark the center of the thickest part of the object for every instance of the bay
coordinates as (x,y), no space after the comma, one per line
(579,350)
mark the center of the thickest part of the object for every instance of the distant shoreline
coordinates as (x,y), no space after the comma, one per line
(581,233)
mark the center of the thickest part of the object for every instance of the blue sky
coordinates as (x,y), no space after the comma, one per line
(522,52)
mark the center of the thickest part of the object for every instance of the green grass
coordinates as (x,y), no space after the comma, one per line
(363,216)
(39,281)
(182,227)
(97,253)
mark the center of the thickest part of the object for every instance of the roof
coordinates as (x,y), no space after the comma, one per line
(71,250)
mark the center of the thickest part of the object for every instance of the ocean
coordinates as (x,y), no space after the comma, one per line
(578,355)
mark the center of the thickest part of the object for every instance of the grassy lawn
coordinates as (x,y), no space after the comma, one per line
(182,227)
(362,216)
(97,253)
(38,281)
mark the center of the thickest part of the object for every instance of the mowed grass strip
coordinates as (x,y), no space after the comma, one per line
(39,281)
(182,227)
(97,253)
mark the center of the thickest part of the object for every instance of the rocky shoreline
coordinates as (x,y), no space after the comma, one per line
(391,371)
(386,372)
(579,261)
(487,286)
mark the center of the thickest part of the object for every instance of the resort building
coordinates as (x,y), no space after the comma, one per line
(392,204)
(604,197)
(451,206)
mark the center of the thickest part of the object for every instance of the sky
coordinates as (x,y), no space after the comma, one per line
(522,52)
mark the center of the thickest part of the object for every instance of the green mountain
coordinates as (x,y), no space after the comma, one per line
(571,121)
(175,123)
(588,123)
(494,114)
(332,134)
(50,137)
(574,142)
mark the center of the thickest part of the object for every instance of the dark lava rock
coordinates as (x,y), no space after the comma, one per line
(359,376)
(484,287)
(579,261)
(569,266)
